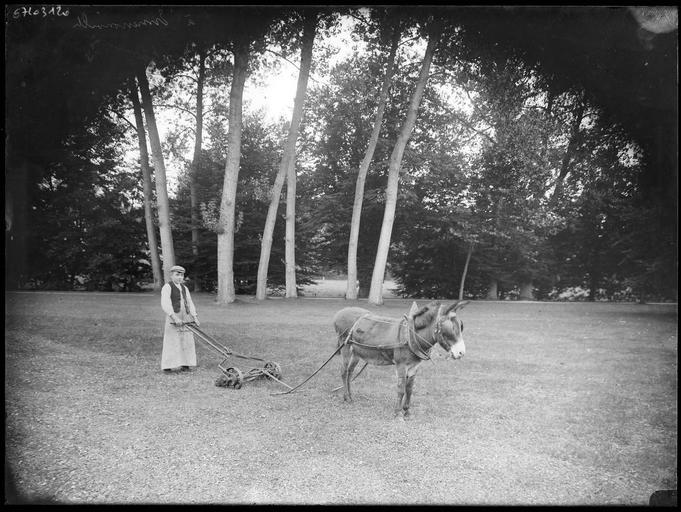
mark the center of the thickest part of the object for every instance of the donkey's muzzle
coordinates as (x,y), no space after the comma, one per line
(458,350)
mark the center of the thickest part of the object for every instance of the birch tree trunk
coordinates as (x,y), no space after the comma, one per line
(193,194)
(376,291)
(309,29)
(351,291)
(167,250)
(287,169)
(146,186)
(226,292)
(268,231)
(465,270)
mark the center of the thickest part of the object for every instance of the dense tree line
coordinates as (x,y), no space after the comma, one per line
(459,165)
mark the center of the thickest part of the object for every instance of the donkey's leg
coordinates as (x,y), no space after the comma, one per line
(351,368)
(401,372)
(347,367)
(411,377)
(345,359)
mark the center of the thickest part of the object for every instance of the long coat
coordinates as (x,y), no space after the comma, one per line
(178,342)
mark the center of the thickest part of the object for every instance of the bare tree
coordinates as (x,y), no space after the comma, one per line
(309,30)
(287,169)
(376,291)
(462,286)
(193,193)
(167,249)
(226,292)
(146,186)
(351,291)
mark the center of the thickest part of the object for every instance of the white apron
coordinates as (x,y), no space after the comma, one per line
(178,344)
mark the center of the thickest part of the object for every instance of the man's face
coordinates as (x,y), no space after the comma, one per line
(177,277)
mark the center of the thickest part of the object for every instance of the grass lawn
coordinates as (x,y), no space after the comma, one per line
(570,403)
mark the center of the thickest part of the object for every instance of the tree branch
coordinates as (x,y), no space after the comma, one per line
(477,110)
(473,128)
(123,118)
(408,40)
(358,18)
(294,65)
(177,107)
(467,124)
(193,78)
(209,110)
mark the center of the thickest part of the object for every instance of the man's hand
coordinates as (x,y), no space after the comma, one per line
(176,319)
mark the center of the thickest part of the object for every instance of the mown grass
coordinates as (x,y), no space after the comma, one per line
(553,404)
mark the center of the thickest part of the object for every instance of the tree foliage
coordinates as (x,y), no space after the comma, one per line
(261,153)
(545,140)
(88,221)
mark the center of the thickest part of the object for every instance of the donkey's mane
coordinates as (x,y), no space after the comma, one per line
(425,316)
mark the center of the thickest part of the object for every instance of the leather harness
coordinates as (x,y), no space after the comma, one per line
(412,341)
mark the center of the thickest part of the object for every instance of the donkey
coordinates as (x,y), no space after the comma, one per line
(405,342)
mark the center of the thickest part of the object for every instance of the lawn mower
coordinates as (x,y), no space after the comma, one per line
(232,376)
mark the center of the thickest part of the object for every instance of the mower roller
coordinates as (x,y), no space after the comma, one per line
(232,376)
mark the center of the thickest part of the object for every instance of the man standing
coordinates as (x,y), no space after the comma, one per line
(178,341)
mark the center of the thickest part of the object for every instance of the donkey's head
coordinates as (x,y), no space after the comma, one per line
(451,338)
(447,328)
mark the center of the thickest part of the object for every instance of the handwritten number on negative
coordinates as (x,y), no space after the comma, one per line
(44,11)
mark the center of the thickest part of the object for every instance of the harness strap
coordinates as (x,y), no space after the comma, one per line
(414,345)
(375,347)
(412,341)
(315,373)
(347,338)
(352,329)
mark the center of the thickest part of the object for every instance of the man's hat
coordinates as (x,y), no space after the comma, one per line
(177,268)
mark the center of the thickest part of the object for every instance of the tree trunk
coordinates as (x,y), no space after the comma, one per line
(226,292)
(376,291)
(363,280)
(309,30)
(566,163)
(287,168)
(193,179)
(543,155)
(493,290)
(593,282)
(526,291)
(268,231)
(351,291)
(147,188)
(465,270)
(167,250)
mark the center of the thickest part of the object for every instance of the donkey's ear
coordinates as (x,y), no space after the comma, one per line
(416,311)
(460,304)
(456,306)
